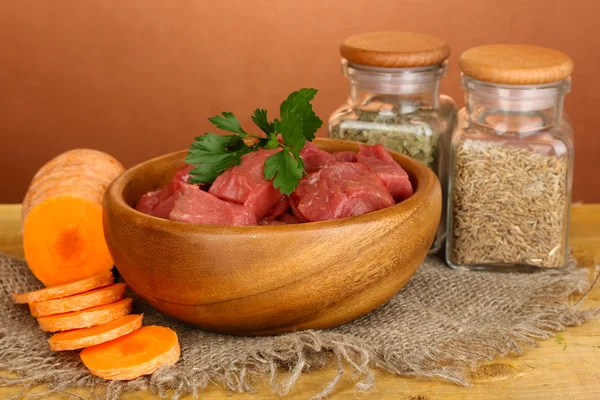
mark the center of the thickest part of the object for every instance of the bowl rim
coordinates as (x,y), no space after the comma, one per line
(113,199)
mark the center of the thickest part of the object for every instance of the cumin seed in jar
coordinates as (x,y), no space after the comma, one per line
(509,205)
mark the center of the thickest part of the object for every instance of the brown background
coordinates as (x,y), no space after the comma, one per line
(138,78)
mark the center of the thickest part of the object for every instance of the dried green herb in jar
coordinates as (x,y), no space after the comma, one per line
(394,99)
(509,205)
(396,132)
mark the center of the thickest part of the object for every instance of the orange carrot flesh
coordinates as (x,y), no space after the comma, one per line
(63,237)
(80,338)
(139,353)
(82,301)
(85,318)
(64,242)
(69,289)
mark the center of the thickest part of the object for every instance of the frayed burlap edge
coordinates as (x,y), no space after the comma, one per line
(551,311)
(279,367)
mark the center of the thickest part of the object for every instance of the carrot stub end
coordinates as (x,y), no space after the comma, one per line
(61,217)
(63,240)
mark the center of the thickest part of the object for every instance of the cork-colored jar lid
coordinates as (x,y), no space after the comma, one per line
(515,64)
(394,49)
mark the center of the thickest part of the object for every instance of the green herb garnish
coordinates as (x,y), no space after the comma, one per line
(212,154)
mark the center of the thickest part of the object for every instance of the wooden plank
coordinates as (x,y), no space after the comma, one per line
(11,242)
(564,367)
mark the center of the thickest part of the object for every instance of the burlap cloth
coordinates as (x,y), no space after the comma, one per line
(441,323)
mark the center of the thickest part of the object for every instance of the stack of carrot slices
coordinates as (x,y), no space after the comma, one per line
(93,314)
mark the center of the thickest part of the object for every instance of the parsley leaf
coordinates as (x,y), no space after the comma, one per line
(299,103)
(228,122)
(260,119)
(212,154)
(285,171)
(293,141)
(292,133)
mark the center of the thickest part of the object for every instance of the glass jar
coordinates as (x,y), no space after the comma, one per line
(394,100)
(511,161)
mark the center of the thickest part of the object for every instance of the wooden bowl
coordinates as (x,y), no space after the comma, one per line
(268,279)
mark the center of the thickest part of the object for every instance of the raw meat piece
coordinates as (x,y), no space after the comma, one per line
(339,190)
(381,163)
(280,208)
(180,178)
(165,207)
(348,156)
(240,215)
(314,158)
(289,218)
(246,184)
(263,198)
(294,205)
(151,200)
(190,204)
(148,201)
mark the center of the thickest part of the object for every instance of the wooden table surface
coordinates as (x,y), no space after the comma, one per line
(564,367)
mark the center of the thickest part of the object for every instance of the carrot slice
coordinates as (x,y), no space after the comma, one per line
(85,318)
(63,237)
(68,289)
(94,298)
(80,338)
(139,353)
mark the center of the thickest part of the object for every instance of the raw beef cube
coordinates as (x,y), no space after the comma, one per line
(235,184)
(246,184)
(381,163)
(282,205)
(339,190)
(294,204)
(180,179)
(314,158)
(348,156)
(263,198)
(148,201)
(165,207)
(241,215)
(198,207)
(231,186)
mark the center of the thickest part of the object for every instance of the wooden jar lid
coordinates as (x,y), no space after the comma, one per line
(515,64)
(394,49)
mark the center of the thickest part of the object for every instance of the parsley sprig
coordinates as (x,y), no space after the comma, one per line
(212,154)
